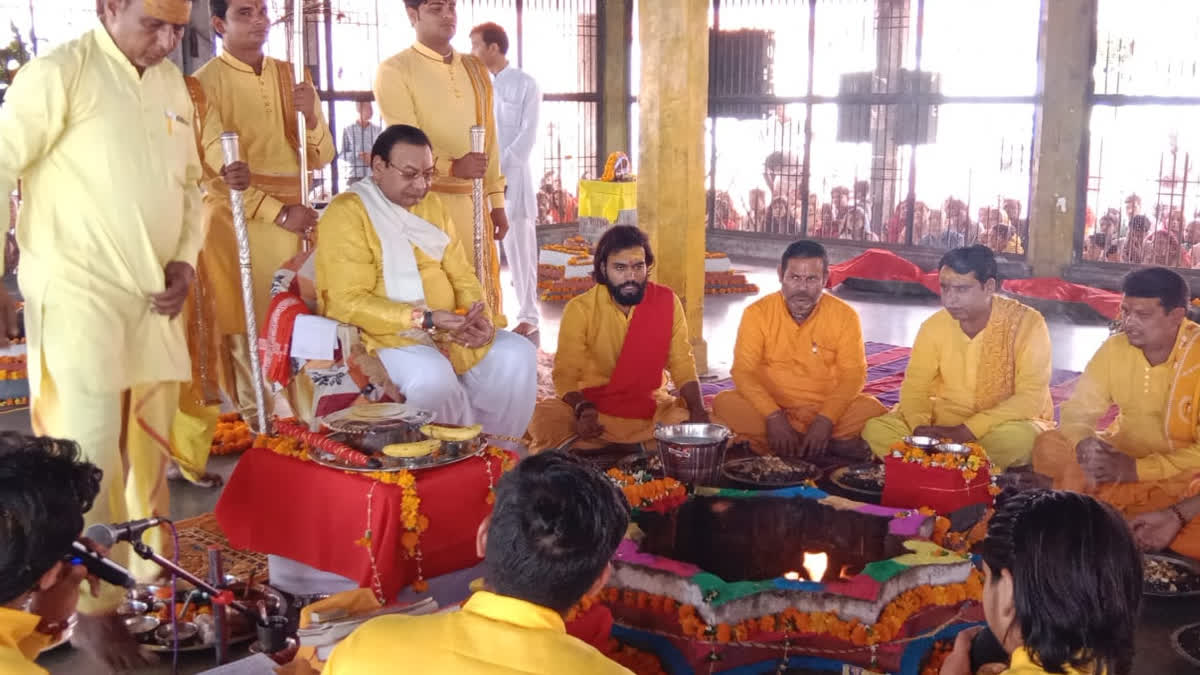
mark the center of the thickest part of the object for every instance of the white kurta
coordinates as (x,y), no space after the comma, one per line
(517,100)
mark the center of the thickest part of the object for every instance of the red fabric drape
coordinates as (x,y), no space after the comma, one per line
(638,373)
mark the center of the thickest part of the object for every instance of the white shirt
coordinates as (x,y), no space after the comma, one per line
(517,98)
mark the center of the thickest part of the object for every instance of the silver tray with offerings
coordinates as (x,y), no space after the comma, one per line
(147,614)
(425,446)
(770,471)
(863,479)
(1165,576)
(376,418)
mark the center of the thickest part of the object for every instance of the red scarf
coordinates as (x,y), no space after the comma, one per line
(639,370)
(275,345)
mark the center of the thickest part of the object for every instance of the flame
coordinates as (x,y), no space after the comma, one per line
(791,576)
(815,564)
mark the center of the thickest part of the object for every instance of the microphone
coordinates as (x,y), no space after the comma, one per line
(107,535)
(100,566)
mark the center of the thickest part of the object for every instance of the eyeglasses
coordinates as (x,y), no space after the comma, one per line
(412,175)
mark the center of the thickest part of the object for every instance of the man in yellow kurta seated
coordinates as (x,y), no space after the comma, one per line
(548,543)
(979,370)
(45,487)
(390,262)
(1146,459)
(799,366)
(614,343)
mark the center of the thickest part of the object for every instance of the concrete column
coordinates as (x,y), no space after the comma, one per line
(614,85)
(890,37)
(198,44)
(673,102)
(1066,52)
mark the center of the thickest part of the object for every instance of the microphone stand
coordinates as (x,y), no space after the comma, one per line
(219,597)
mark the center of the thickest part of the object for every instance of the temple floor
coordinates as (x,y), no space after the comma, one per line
(893,321)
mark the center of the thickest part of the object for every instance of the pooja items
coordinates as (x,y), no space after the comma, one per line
(770,471)
(924,472)
(147,614)
(692,453)
(1166,576)
(862,479)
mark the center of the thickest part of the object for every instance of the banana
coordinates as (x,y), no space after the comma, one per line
(446,433)
(415,449)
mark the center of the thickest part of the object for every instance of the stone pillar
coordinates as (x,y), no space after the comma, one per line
(614,85)
(673,102)
(891,31)
(198,44)
(1066,52)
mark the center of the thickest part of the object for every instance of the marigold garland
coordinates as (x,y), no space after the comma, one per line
(645,492)
(792,621)
(232,436)
(968,464)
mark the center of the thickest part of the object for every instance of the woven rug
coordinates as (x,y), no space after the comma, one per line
(197,534)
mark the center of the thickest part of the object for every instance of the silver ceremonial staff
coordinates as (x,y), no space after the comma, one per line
(229,146)
(301,127)
(477,201)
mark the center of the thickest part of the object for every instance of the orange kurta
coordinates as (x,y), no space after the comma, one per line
(815,368)
(1157,425)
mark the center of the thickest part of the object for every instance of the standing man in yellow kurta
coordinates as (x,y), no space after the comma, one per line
(246,91)
(979,370)
(100,131)
(799,366)
(434,88)
(615,343)
(1147,459)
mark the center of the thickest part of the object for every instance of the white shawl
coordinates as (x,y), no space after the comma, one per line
(399,231)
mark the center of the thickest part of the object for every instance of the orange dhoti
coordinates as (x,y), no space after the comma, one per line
(554,422)
(739,414)
(1054,456)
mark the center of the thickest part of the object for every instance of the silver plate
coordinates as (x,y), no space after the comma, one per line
(923,442)
(449,453)
(1185,563)
(183,588)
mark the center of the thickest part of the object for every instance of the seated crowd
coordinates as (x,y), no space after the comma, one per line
(391,264)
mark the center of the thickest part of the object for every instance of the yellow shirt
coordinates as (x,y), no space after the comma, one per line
(20,644)
(490,634)
(591,336)
(1022,664)
(240,100)
(350,286)
(1120,374)
(110,169)
(417,87)
(778,363)
(940,383)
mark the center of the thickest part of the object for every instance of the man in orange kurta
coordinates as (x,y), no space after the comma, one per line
(799,366)
(1144,462)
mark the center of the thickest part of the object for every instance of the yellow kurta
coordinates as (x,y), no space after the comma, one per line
(350,285)
(419,88)
(491,634)
(110,171)
(240,100)
(1120,375)
(20,643)
(1022,663)
(589,343)
(815,368)
(941,386)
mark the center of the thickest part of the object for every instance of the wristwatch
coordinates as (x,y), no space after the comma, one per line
(427,322)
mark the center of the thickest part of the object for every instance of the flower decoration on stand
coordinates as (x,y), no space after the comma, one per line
(648,493)
(969,464)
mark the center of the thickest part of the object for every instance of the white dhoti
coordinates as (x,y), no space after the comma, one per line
(498,393)
(520,247)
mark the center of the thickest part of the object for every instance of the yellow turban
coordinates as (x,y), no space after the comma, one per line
(178,12)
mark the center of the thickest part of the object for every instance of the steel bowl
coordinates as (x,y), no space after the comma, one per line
(691,434)
(953,449)
(693,453)
(922,442)
(188,633)
(142,626)
(132,608)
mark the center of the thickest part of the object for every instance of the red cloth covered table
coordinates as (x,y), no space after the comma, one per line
(301,510)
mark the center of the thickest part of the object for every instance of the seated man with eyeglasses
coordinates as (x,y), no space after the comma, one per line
(390,262)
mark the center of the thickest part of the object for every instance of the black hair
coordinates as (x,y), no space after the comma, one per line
(555,527)
(492,33)
(218,8)
(1139,222)
(1098,239)
(1077,578)
(398,133)
(45,488)
(413,4)
(619,238)
(804,248)
(967,259)
(1168,286)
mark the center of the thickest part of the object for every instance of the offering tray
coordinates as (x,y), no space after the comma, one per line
(147,613)
(1184,574)
(863,480)
(449,453)
(769,471)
